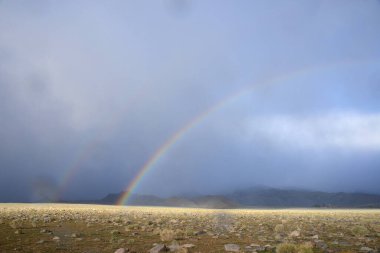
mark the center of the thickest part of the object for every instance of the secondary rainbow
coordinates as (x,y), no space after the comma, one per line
(166,146)
(90,146)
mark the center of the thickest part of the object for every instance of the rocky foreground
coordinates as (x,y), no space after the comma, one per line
(95,228)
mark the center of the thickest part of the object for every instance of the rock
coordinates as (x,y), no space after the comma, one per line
(295,233)
(47,219)
(201,232)
(56,238)
(278,237)
(19,232)
(188,245)
(269,247)
(181,250)
(255,246)
(174,246)
(121,250)
(40,242)
(115,232)
(158,248)
(321,244)
(14,224)
(315,237)
(45,231)
(367,250)
(232,247)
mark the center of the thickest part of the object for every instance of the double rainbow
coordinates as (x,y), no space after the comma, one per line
(178,135)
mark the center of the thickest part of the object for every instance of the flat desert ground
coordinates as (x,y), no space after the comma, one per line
(100,228)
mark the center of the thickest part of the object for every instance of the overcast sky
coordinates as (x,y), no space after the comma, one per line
(89,90)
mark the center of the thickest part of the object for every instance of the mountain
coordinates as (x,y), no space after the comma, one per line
(208,201)
(256,197)
(272,197)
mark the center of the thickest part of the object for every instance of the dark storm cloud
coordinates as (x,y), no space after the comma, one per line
(95,87)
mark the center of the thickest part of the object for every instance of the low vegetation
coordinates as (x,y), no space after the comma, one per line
(97,228)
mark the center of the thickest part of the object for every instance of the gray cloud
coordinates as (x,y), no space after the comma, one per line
(95,87)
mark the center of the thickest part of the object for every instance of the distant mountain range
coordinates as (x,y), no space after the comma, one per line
(257,197)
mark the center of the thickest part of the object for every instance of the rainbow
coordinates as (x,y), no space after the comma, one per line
(74,168)
(90,147)
(173,139)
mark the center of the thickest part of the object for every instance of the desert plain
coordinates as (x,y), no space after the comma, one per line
(101,228)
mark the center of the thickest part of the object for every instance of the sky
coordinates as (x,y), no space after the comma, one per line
(274,93)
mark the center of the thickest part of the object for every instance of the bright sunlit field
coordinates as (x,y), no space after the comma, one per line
(101,228)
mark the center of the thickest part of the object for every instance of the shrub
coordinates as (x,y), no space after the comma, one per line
(167,235)
(359,230)
(305,248)
(286,248)
(292,248)
(279,228)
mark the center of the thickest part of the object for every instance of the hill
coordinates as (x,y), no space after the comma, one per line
(257,197)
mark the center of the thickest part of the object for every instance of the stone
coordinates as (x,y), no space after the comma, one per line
(367,250)
(158,248)
(181,250)
(174,246)
(115,232)
(201,232)
(232,247)
(321,244)
(295,233)
(121,250)
(188,245)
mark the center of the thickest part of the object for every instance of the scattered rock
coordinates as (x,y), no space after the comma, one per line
(115,232)
(174,246)
(232,247)
(121,250)
(201,232)
(181,250)
(158,248)
(367,250)
(321,244)
(14,224)
(295,233)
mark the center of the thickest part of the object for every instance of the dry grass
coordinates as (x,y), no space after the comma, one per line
(98,228)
